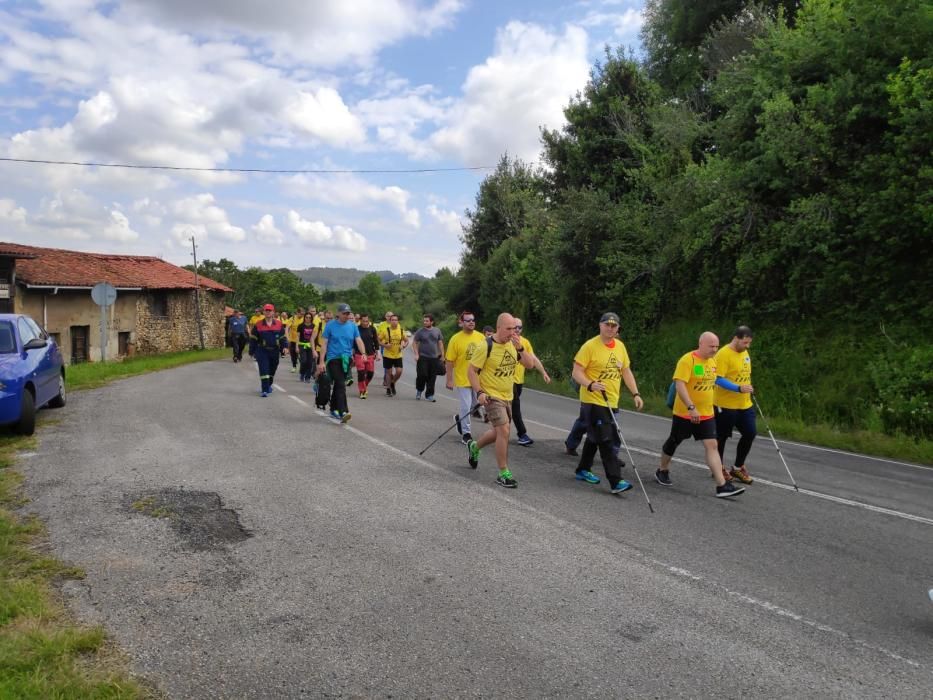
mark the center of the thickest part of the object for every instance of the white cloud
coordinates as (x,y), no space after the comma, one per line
(525,85)
(449,220)
(11,214)
(625,25)
(266,231)
(347,190)
(75,215)
(324,115)
(317,234)
(316,32)
(199,216)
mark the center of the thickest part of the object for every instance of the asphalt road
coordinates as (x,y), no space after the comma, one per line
(237,547)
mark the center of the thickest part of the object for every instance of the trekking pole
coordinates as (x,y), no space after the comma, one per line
(456,423)
(780,454)
(628,451)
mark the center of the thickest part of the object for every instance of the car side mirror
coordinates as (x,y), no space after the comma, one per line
(35,343)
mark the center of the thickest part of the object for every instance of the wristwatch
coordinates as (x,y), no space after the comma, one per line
(691,407)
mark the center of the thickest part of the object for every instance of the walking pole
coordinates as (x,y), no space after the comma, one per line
(780,454)
(456,423)
(629,452)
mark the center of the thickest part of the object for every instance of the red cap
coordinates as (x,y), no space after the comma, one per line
(268,307)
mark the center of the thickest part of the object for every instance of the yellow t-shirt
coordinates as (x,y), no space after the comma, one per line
(520,368)
(460,351)
(497,377)
(736,367)
(600,363)
(391,338)
(253,320)
(319,324)
(700,377)
(292,328)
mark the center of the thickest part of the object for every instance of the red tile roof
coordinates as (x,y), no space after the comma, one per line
(71,268)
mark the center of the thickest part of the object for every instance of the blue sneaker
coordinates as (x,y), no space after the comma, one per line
(587,476)
(525,440)
(263,394)
(430,398)
(417,396)
(335,415)
(621,487)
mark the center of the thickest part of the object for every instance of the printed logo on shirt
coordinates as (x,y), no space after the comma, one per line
(506,366)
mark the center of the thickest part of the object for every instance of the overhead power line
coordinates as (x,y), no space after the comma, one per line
(271,171)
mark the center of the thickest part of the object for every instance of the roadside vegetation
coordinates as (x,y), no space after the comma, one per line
(44,652)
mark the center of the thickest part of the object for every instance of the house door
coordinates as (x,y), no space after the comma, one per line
(79,340)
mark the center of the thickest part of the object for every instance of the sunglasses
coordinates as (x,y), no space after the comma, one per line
(469,320)
(611,324)
(518,328)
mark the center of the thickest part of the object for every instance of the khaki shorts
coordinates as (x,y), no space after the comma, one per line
(498,412)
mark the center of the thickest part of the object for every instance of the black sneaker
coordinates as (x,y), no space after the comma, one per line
(394,392)
(571,451)
(388,392)
(663,478)
(505,480)
(728,490)
(465,438)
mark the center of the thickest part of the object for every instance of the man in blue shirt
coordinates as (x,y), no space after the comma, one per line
(339,337)
(238,335)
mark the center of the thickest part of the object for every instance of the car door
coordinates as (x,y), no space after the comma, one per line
(48,366)
(37,361)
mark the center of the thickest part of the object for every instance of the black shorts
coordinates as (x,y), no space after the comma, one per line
(390,362)
(682,428)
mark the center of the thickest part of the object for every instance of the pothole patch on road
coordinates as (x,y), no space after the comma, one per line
(197,517)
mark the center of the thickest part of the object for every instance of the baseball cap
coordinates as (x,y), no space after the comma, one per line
(610,318)
(343,308)
(268,307)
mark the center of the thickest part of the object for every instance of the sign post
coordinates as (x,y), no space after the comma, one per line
(103,294)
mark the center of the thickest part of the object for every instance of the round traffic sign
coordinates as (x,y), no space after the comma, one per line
(104,294)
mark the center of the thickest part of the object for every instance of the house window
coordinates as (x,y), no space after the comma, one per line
(79,341)
(158,304)
(123,340)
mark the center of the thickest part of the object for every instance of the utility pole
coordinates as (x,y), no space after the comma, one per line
(197,293)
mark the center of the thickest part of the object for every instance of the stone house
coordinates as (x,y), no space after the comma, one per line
(154,311)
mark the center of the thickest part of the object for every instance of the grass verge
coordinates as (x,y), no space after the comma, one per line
(90,375)
(44,653)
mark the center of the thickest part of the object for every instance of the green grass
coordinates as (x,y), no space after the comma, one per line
(90,375)
(44,652)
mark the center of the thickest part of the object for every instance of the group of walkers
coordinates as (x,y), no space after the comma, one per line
(710,394)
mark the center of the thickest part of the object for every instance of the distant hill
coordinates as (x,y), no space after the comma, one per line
(347,277)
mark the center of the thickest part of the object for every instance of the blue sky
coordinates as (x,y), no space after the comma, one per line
(283,84)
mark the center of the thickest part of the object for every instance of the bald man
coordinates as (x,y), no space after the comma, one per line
(492,377)
(694,379)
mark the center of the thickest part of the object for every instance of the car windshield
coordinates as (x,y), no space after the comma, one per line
(7,341)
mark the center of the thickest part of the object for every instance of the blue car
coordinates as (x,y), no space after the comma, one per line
(32,372)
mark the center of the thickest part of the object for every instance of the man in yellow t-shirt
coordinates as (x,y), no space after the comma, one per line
(463,344)
(380,327)
(393,340)
(599,368)
(524,439)
(253,320)
(694,379)
(734,409)
(492,376)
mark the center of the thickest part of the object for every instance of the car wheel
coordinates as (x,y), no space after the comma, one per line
(59,400)
(27,415)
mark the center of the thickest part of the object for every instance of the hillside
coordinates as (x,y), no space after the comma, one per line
(347,277)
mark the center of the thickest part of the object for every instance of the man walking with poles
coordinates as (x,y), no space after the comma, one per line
(599,368)
(694,379)
(735,410)
(460,350)
(492,376)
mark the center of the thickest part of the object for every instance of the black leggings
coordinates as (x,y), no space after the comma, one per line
(744,420)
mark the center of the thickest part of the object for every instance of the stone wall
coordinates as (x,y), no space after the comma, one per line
(177,329)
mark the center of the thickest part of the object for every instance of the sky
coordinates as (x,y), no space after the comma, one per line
(310,85)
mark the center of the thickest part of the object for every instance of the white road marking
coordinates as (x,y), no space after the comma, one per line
(789,442)
(758,480)
(278,388)
(301,401)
